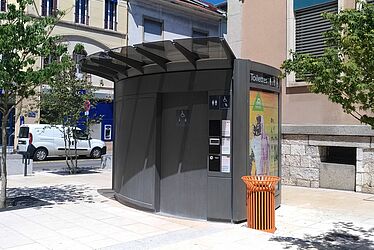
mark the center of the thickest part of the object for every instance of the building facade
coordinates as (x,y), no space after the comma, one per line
(98,25)
(322,146)
(156,20)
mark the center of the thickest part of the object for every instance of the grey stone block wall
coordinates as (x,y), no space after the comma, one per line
(302,155)
(365,170)
(300,161)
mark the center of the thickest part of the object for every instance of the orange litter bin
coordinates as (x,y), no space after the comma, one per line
(261,202)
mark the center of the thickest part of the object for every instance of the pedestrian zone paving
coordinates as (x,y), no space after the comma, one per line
(79,212)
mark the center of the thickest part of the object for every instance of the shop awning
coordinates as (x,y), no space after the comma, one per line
(159,57)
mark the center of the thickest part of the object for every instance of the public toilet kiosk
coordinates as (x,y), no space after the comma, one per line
(190,121)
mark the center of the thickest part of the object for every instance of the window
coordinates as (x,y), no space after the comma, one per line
(48,7)
(110,15)
(81,11)
(23,132)
(310,26)
(3,5)
(77,57)
(47,60)
(80,135)
(197,33)
(152,30)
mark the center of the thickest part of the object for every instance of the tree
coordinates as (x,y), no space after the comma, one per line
(23,40)
(345,72)
(72,90)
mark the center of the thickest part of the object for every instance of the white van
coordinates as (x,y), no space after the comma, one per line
(42,140)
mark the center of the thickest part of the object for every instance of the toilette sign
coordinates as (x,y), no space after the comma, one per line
(264,79)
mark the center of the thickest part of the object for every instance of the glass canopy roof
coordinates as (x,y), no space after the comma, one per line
(159,57)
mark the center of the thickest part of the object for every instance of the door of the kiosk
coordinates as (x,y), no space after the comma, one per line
(183,184)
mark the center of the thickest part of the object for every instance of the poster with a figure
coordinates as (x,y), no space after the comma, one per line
(263,133)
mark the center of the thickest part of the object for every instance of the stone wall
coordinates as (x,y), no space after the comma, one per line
(300,161)
(365,170)
(303,153)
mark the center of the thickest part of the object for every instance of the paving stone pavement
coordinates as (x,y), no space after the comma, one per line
(81,214)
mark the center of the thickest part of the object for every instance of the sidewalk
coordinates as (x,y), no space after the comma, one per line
(80,216)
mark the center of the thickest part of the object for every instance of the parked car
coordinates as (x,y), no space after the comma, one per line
(42,140)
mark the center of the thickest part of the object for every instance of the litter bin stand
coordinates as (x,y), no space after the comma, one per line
(261,202)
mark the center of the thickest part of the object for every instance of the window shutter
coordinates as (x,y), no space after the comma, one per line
(3,5)
(44,7)
(76,11)
(310,27)
(85,13)
(106,14)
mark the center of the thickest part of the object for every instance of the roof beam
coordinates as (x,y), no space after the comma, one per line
(100,69)
(138,65)
(100,74)
(96,68)
(189,55)
(107,63)
(161,61)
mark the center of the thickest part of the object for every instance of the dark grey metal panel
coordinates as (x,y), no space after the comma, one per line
(135,162)
(219,198)
(240,137)
(206,80)
(131,98)
(184,148)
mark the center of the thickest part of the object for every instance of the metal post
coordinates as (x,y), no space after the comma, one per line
(24,160)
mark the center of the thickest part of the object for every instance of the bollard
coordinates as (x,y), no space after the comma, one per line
(25,161)
(260,202)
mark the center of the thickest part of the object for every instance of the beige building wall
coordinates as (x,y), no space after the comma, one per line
(308,108)
(264,31)
(97,18)
(95,13)
(93,36)
(300,106)
(265,34)
(234,26)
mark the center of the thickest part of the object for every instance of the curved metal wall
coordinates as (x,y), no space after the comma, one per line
(138,115)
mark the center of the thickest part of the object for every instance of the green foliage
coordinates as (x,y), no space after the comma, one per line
(345,72)
(79,49)
(63,104)
(23,40)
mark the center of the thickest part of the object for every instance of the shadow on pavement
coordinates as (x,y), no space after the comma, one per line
(84,170)
(344,235)
(107,193)
(20,202)
(48,195)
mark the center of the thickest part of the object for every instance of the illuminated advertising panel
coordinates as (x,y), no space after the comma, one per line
(263,133)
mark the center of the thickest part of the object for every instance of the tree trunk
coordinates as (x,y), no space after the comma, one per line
(70,151)
(66,141)
(75,155)
(3,177)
